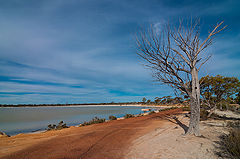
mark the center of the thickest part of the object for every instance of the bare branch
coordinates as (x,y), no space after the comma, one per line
(172,54)
(205,43)
(204,62)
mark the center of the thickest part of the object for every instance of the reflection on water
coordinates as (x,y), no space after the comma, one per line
(28,119)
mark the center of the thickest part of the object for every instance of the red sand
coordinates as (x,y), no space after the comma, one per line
(98,141)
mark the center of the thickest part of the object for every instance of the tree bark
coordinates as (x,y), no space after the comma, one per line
(194,105)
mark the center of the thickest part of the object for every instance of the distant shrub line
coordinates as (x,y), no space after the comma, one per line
(128,116)
(97,120)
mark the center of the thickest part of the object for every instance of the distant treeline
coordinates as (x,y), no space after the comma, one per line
(69,104)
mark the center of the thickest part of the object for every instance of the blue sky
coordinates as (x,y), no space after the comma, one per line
(77,51)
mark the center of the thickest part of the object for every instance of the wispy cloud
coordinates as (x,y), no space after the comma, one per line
(84,51)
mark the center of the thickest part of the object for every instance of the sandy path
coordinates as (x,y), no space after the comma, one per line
(107,140)
(168,142)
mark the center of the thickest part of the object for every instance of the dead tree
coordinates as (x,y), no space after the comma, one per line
(175,55)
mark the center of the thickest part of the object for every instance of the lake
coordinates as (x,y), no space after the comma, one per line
(29,119)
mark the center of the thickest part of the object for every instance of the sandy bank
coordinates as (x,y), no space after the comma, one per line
(111,105)
(168,142)
(106,140)
(152,136)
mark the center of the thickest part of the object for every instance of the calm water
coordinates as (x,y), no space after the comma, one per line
(29,119)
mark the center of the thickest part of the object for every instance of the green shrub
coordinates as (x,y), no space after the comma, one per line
(111,117)
(95,120)
(128,116)
(230,144)
(151,112)
(61,125)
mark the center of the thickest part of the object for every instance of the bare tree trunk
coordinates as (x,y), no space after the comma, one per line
(195,105)
(173,54)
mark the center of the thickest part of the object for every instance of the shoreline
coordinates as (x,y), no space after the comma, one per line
(39,130)
(120,133)
(137,137)
(72,106)
(78,125)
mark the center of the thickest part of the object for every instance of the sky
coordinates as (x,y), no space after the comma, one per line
(84,51)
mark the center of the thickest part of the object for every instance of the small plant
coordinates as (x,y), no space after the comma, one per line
(51,127)
(128,116)
(111,117)
(95,120)
(61,125)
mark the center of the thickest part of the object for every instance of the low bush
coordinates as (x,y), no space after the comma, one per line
(128,116)
(111,117)
(95,120)
(233,124)
(61,125)
(230,144)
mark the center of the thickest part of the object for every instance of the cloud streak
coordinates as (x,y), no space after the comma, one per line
(84,51)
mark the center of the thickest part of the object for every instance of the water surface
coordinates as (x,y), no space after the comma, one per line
(29,119)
